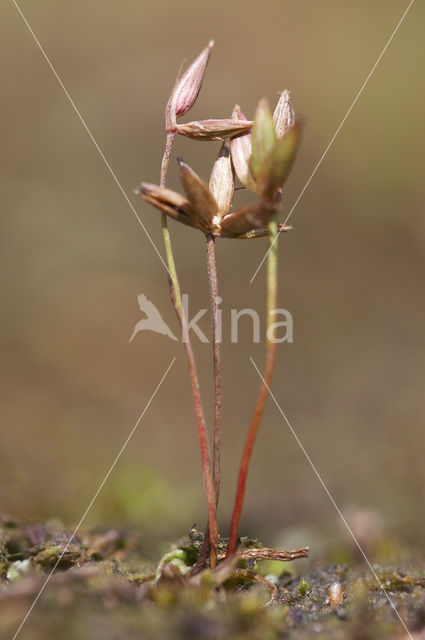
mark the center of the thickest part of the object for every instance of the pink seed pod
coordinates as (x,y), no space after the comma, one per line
(186,88)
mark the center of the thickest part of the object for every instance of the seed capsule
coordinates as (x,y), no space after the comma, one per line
(278,163)
(198,193)
(222,184)
(171,203)
(186,88)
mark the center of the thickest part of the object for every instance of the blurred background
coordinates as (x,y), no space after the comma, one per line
(74,259)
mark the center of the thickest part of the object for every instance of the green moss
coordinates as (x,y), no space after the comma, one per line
(304,588)
(107,589)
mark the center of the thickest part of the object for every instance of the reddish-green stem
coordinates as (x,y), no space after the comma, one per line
(194,380)
(262,395)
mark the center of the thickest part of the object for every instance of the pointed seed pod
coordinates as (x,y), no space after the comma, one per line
(263,137)
(169,202)
(241,148)
(162,195)
(222,184)
(186,88)
(284,114)
(213,129)
(277,165)
(198,194)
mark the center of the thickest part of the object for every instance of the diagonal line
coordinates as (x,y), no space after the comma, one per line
(319,477)
(89,133)
(335,134)
(93,499)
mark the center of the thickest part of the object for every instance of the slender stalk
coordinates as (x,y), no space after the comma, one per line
(213,282)
(166,158)
(173,280)
(262,395)
(176,297)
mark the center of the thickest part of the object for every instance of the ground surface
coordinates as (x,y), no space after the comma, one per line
(103,589)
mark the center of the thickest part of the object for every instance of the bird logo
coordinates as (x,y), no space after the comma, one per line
(153,321)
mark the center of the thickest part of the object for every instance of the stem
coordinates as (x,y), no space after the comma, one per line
(212,276)
(213,282)
(176,298)
(262,395)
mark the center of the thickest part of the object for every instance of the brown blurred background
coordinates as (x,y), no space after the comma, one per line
(74,259)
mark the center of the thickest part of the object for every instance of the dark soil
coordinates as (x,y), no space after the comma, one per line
(103,589)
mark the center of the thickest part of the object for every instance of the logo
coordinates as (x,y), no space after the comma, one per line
(153,320)
(280,331)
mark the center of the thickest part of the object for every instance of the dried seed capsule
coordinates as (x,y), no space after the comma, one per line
(222,184)
(186,88)
(213,129)
(198,194)
(284,114)
(169,202)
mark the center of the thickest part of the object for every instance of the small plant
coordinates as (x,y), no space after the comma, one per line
(304,588)
(261,153)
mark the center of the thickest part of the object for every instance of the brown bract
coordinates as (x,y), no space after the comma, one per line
(207,208)
(214,129)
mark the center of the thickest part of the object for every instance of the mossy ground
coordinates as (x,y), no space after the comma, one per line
(103,589)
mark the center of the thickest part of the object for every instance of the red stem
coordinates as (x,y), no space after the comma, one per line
(262,395)
(249,444)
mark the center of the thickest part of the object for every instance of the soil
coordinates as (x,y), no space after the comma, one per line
(103,589)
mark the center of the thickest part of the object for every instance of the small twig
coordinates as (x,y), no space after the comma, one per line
(263,553)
